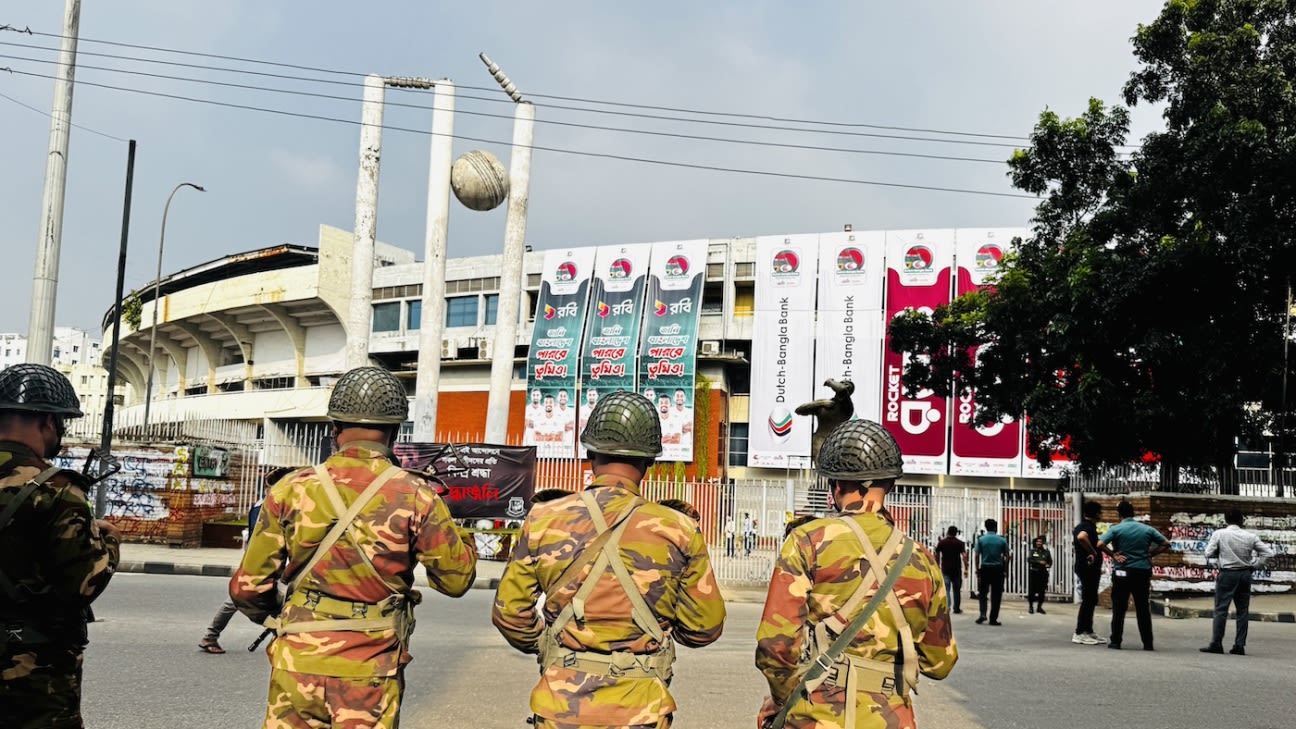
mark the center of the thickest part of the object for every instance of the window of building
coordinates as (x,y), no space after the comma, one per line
(744,270)
(738,444)
(744,299)
(84,379)
(414,315)
(715,270)
(492,308)
(461,311)
(76,348)
(533,280)
(386,317)
(397,292)
(713,298)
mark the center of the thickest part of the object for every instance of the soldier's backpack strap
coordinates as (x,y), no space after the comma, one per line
(907,667)
(7,586)
(345,520)
(643,615)
(821,665)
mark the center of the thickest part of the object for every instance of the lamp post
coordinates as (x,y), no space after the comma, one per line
(157,284)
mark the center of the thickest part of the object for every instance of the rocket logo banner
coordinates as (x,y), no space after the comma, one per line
(849,341)
(550,423)
(995,450)
(612,326)
(668,346)
(783,350)
(918,277)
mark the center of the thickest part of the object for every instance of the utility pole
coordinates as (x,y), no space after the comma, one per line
(1280,489)
(510,296)
(40,326)
(432,323)
(104,456)
(366,224)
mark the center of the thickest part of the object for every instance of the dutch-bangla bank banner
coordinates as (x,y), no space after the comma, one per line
(783,351)
(996,449)
(550,423)
(849,341)
(668,350)
(612,326)
(918,277)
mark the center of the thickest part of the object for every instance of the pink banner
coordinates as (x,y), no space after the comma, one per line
(918,277)
(994,450)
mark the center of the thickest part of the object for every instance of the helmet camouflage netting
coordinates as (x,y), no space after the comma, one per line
(369,396)
(860,450)
(623,424)
(39,389)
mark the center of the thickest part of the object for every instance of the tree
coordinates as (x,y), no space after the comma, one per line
(1144,313)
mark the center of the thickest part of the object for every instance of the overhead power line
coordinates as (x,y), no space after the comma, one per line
(47,114)
(651,107)
(551,122)
(587,110)
(556,150)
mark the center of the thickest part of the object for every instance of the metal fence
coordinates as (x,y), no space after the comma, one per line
(1252,482)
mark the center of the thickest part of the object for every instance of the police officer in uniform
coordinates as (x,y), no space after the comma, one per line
(606,645)
(55,558)
(824,584)
(346,537)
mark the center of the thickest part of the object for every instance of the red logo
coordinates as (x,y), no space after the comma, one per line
(620,268)
(677,266)
(786,261)
(550,312)
(918,258)
(850,259)
(566,271)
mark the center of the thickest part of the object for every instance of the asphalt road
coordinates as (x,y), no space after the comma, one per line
(143,669)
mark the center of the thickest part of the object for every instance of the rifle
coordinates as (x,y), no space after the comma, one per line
(260,639)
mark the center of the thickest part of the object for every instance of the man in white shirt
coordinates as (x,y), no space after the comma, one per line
(670,425)
(684,414)
(1238,552)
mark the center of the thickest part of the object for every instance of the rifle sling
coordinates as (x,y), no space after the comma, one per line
(6,585)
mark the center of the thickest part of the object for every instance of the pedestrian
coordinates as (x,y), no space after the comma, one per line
(1239,553)
(1132,545)
(951,552)
(1038,565)
(729,536)
(55,557)
(623,580)
(866,649)
(1088,571)
(992,558)
(346,537)
(749,533)
(210,642)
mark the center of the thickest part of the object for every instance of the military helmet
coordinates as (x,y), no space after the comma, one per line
(860,450)
(38,388)
(623,424)
(368,396)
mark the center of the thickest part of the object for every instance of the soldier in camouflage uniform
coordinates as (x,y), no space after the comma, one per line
(623,580)
(346,537)
(55,558)
(819,585)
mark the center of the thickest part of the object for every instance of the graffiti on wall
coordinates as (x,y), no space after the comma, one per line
(1189,536)
(139,490)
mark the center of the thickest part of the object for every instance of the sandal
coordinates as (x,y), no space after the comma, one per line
(210,646)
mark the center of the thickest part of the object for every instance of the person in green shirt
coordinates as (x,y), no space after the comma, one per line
(1132,545)
(992,558)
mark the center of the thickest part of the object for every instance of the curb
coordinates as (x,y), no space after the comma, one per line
(221,570)
(1177,612)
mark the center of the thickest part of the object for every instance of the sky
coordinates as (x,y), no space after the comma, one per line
(987,68)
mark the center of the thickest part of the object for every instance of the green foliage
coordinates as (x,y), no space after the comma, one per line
(702,427)
(132,309)
(1145,312)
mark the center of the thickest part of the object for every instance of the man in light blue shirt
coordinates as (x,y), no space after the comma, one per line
(1238,552)
(992,557)
(1132,545)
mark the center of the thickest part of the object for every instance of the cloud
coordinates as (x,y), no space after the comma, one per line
(311,172)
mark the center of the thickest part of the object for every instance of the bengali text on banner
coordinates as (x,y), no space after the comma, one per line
(550,423)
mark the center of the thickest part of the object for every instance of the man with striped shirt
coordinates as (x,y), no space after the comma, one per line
(1239,552)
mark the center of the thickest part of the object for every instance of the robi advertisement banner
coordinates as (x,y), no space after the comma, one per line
(612,326)
(995,450)
(668,350)
(550,423)
(918,277)
(783,351)
(849,341)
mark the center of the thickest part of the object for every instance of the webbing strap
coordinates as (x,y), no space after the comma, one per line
(909,653)
(643,615)
(344,521)
(575,608)
(6,585)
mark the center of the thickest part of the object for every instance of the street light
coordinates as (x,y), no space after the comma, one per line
(157,284)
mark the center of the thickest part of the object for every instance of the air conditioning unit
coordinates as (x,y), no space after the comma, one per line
(710,347)
(449,349)
(484,346)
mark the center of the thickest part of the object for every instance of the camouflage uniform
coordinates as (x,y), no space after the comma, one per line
(603,667)
(817,572)
(347,672)
(57,561)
